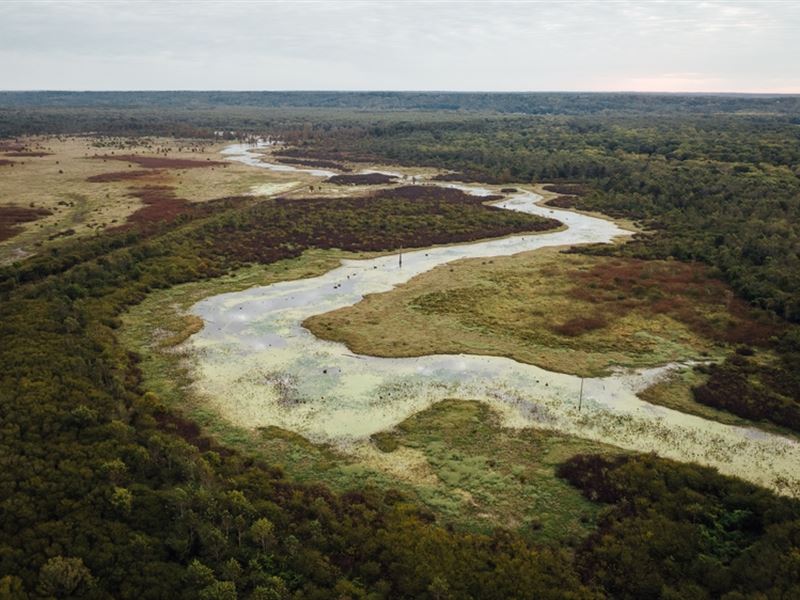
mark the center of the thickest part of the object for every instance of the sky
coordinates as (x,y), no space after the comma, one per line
(668,46)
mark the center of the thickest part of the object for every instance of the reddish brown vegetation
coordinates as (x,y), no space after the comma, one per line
(681,290)
(579,325)
(562,202)
(160,162)
(753,390)
(160,204)
(120,176)
(28,153)
(12,216)
(319,164)
(509,190)
(162,207)
(379,221)
(190,432)
(363,179)
(439,194)
(11,147)
(4,162)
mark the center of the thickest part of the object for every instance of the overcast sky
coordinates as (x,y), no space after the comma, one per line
(327,45)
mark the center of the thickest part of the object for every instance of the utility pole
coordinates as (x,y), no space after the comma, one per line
(580,398)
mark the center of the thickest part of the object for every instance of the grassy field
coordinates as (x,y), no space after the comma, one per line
(455,457)
(476,471)
(565,312)
(59,182)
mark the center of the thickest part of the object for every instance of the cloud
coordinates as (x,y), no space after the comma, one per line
(399,45)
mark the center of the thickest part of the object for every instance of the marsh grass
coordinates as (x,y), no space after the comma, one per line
(502,476)
(564,312)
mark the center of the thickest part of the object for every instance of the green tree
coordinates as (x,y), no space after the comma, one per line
(262,533)
(64,576)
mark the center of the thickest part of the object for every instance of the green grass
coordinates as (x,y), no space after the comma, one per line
(494,475)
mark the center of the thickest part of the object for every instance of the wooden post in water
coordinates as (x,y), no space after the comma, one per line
(580,398)
(401,259)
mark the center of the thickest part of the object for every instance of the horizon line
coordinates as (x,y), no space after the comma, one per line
(407,91)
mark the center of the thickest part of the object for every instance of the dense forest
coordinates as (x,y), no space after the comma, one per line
(508,102)
(105,492)
(203,113)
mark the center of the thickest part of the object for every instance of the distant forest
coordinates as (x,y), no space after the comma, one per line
(200,113)
(533,103)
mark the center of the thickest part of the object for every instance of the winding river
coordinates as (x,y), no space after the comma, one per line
(258,366)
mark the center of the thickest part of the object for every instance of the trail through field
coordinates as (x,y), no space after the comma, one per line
(258,366)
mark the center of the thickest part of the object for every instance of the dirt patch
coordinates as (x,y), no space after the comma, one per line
(159,162)
(121,176)
(191,325)
(404,463)
(11,217)
(362,179)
